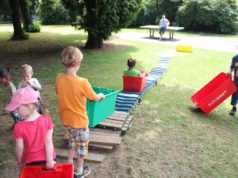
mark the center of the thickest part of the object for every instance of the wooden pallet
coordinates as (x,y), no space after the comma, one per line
(107,135)
(94,157)
(127,125)
(116,121)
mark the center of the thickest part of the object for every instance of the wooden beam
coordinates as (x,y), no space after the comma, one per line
(105,140)
(94,157)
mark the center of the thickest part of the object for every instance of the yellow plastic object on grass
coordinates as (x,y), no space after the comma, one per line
(184,48)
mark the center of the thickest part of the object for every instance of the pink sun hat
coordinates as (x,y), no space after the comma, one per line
(24,95)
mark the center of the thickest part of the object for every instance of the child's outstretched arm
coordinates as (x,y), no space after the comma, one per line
(35,84)
(49,150)
(100,96)
(143,73)
(19,150)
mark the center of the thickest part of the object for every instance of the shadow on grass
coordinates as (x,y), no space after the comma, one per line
(165,39)
(43,50)
(195,110)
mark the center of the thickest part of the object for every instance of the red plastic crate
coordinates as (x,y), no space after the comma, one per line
(133,83)
(214,93)
(61,170)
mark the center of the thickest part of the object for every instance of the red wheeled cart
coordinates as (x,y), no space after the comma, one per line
(61,170)
(133,83)
(214,93)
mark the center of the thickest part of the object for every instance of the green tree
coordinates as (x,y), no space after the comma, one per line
(53,12)
(18,33)
(168,8)
(153,10)
(5,13)
(26,16)
(99,18)
(20,10)
(214,16)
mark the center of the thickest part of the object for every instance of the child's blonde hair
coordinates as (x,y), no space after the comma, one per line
(26,67)
(71,56)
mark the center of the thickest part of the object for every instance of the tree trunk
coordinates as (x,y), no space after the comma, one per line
(94,42)
(33,7)
(27,19)
(18,32)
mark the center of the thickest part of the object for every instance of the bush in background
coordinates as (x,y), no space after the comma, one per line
(152,11)
(35,27)
(53,12)
(5,13)
(212,16)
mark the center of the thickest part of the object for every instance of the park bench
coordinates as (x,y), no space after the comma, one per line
(171,30)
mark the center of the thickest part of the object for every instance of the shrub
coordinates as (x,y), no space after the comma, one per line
(153,10)
(214,16)
(35,27)
(53,12)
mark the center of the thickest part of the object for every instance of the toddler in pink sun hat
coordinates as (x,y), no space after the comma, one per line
(33,136)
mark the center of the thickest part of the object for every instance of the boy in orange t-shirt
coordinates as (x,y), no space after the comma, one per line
(72,92)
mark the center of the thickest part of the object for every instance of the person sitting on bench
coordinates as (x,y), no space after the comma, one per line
(163,24)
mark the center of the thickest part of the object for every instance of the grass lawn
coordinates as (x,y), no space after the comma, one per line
(168,137)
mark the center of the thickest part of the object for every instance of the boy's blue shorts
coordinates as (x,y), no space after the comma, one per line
(78,140)
(162,29)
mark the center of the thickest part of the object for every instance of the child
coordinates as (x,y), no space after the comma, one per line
(131,63)
(9,89)
(27,73)
(72,92)
(234,98)
(33,136)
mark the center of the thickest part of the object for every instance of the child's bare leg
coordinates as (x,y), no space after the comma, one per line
(80,162)
(71,153)
(79,165)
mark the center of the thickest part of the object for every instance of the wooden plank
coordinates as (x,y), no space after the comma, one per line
(127,125)
(105,140)
(95,157)
(105,133)
(128,120)
(126,128)
(112,121)
(100,147)
(104,130)
(120,113)
(112,125)
(118,118)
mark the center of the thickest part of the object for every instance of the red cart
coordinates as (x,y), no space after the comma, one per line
(61,170)
(214,93)
(133,83)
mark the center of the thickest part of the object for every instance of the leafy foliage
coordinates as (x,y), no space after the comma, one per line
(215,15)
(35,27)
(53,12)
(153,10)
(102,17)
(5,13)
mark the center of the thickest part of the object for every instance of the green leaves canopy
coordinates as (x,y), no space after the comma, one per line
(102,17)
